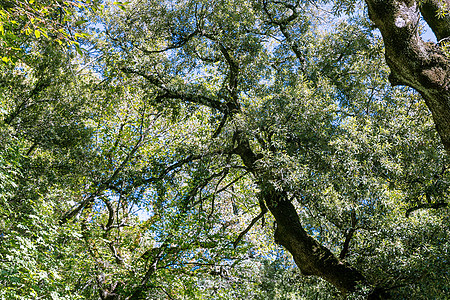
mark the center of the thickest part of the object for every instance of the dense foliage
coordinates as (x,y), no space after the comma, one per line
(157,152)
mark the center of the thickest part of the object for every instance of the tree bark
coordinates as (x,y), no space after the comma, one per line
(412,61)
(311,257)
(440,24)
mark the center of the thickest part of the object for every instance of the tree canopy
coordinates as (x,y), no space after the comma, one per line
(224,150)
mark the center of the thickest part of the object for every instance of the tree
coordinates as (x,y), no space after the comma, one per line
(227,47)
(414,62)
(183,125)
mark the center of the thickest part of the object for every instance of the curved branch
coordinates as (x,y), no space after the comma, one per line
(426,206)
(252,223)
(167,93)
(311,257)
(413,62)
(348,237)
(222,123)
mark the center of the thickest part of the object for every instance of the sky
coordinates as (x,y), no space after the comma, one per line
(428,35)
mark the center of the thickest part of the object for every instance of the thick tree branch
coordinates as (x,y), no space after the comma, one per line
(232,87)
(221,125)
(438,21)
(426,206)
(283,25)
(310,256)
(413,62)
(348,236)
(167,93)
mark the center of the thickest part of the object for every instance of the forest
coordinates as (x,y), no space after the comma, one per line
(224,149)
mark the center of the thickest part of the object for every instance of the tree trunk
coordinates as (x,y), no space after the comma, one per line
(413,62)
(310,256)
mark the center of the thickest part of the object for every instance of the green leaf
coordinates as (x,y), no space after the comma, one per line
(78,49)
(80,22)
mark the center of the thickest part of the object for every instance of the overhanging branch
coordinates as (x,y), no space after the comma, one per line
(426,206)
(167,93)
